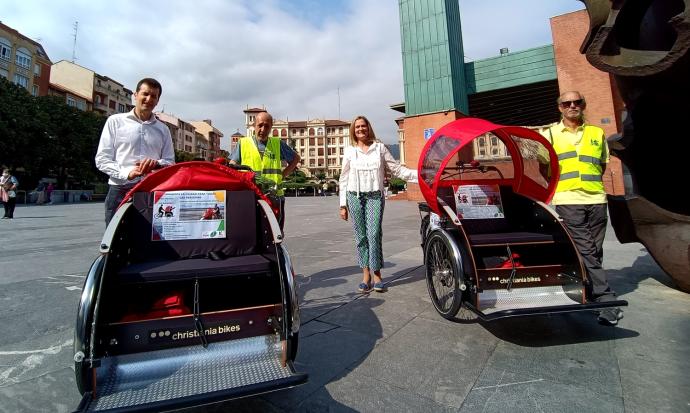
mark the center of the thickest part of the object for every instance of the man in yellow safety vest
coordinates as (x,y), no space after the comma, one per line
(265,154)
(580,198)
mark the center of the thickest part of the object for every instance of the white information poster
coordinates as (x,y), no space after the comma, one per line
(478,201)
(179,215)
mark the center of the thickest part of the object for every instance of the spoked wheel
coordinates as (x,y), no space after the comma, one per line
(443,277)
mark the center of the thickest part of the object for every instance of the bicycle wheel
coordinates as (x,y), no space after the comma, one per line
(443,276)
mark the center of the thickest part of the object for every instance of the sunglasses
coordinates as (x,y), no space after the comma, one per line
(567,103)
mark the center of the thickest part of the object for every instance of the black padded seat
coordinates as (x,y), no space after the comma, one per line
(172,270)
(509,238)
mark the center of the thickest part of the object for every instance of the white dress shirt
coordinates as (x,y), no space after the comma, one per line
(365,171)
(126,140)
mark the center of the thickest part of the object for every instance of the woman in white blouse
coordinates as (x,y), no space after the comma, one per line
(361,197)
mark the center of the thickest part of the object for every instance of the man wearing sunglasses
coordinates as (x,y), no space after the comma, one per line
(580,198)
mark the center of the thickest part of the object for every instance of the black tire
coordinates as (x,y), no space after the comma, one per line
(443,277)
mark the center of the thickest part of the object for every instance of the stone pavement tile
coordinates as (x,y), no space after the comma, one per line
(654,369)
(36,308)
(568,349)
(655,387)
(324,356)
(355,392)
(509,395)
(53,392)
(439,360)
(27,360)
(377,314)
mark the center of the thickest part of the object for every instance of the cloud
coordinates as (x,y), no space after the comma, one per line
(215,57)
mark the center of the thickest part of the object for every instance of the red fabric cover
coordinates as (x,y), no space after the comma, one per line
(508,264)
(171,300)
(465,130)
(197,176)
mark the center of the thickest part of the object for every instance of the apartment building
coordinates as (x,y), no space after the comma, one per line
(23,61)
(77,83)
(211,149)
(184,134)
(320,142)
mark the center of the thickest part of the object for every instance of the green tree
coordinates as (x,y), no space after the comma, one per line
(43,136)
(183,156)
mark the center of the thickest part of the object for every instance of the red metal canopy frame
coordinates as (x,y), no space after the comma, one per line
(446,144)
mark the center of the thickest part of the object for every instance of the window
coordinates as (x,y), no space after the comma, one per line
(37,70)
(320,131)
(494,151)
(122,108)
(301,132)
(112,105)
(34,90)
(340,130)
(71,101)
(311,132)
(283,132)
(312,162)
(81,105)
(4,73)
(312,152)
(320,151)
(5,49)
(274,132)
(342,151)
(312,141)
(481,142)
(320,141)
(22,81)
(494,141)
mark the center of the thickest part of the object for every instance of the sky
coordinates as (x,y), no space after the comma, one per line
(301,59)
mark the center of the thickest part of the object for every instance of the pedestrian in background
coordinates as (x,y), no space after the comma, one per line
(364,166)
(580,198)
(8,193)
(49,193)
(133,144)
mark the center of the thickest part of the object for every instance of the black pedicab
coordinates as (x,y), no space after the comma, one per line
(490,241)
(181,310)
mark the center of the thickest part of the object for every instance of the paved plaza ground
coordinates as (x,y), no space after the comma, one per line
(381,352)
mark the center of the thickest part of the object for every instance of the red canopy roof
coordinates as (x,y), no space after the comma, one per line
(476,151)
(197,176)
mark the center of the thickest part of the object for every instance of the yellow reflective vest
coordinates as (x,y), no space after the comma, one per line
(267,166)
(581,165)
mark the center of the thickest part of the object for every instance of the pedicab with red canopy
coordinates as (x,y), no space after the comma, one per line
(179,311)
(491,242)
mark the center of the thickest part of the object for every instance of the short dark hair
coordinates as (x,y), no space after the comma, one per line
(152,83)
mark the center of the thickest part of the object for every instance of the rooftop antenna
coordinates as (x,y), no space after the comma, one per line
(74,45)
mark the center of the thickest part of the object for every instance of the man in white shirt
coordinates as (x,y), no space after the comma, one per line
(133,144)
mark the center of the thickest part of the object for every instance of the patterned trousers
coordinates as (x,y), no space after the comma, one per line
(366,213)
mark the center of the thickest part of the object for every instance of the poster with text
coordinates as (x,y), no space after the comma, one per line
(478,201)
(179,215)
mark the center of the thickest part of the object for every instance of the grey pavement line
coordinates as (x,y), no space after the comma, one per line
(333,327)
(508,384)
